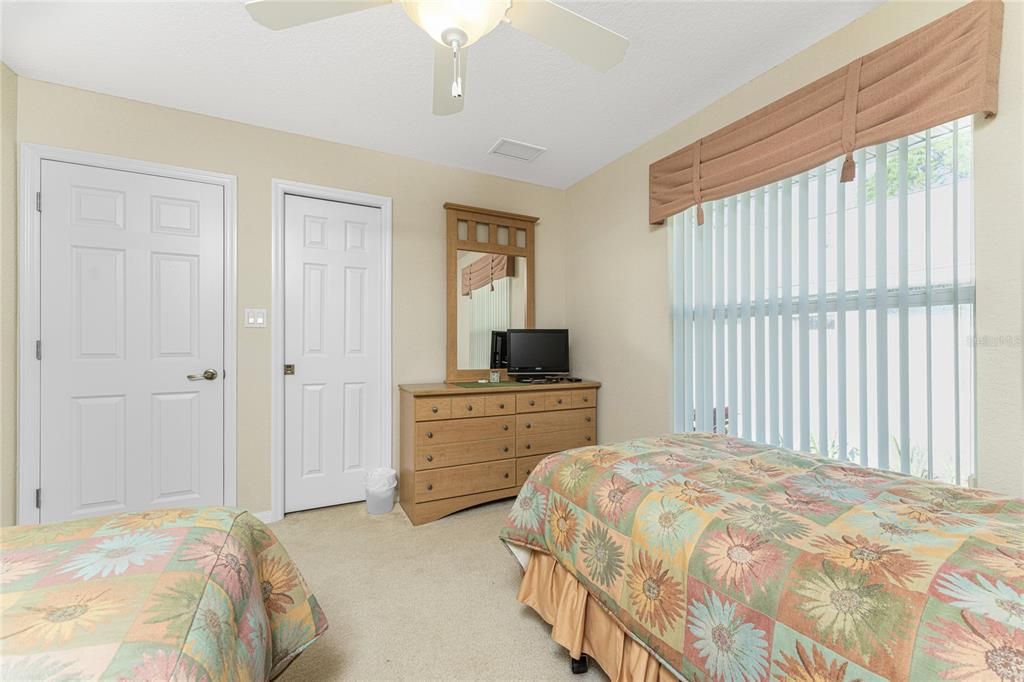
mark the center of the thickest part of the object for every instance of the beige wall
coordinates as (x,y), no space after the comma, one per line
(618,297)
(8,288)
(65,117)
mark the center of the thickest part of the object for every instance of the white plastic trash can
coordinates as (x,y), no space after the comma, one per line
(380,490)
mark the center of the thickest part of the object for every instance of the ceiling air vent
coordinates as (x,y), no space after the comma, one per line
(517,150)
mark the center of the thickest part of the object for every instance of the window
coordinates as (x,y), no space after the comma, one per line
(837,318)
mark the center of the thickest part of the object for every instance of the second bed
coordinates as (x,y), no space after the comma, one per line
(701,556)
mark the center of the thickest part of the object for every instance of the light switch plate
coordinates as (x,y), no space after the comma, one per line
(255,317)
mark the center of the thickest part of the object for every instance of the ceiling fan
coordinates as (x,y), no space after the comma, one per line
(457,24)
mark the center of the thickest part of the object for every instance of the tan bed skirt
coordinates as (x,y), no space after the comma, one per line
(581,625)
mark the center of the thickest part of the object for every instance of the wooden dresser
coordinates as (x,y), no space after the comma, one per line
(464,446)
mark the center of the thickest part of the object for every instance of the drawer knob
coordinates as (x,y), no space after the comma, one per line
(504,427)
(528,446)
(506,474)
(586,399)
(469,408)
(528,425)
(588,420)
(505,449)
(532,403)
(430,486)
(559,401)
(434,409)
(588,439)
(430,458)
(501,406)
(430,434)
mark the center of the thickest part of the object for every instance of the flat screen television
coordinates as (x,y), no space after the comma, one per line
(538,352)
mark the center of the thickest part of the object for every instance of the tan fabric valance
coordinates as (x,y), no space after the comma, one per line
(486,269)
(940,72)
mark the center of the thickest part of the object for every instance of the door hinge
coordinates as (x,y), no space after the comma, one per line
(289,370)
(39,498)
(39,349)
(39,201)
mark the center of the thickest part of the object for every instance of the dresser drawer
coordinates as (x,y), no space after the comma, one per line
(554,441)
(468,406)
(529,424)
(558,400)
(499,404)
(530,402)
(438,484)
(433,408)
(453,454)
(524,465)
(585,398)
(463,430)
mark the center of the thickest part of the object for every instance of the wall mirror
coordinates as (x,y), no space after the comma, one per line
(490,284)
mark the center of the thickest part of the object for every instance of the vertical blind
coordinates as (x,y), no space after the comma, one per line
(837,318)
(489,308)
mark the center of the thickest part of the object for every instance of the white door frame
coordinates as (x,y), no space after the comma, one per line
(29,375)
(279,188)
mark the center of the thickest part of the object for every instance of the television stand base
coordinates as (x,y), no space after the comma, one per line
(537,380)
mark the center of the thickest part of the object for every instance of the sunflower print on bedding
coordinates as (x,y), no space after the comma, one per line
(735,561)
(184,594)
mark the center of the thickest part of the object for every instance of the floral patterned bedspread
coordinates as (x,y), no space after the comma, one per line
(735,561)
(185,594)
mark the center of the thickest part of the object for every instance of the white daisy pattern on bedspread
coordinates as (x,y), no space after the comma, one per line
(115,555)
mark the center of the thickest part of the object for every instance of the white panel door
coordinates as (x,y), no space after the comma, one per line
(334,284)
(131,305)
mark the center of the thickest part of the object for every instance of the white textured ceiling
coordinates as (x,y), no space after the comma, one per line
(365,79)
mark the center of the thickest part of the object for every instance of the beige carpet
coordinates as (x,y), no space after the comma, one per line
(436,601)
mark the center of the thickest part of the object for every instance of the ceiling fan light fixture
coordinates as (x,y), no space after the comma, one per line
(474,18)
(456,24)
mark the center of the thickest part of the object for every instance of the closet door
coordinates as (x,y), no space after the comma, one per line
(131,330)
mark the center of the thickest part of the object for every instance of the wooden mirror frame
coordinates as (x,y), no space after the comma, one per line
(493,219)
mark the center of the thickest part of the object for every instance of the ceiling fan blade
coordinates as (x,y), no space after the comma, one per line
(278,14)
(444,103)
(569,32)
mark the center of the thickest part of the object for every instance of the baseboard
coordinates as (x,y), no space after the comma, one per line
(266,516)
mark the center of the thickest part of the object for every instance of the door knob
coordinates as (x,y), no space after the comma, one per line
(209,375)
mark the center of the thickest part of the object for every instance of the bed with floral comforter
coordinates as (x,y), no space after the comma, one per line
(730,560)
(185,594)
